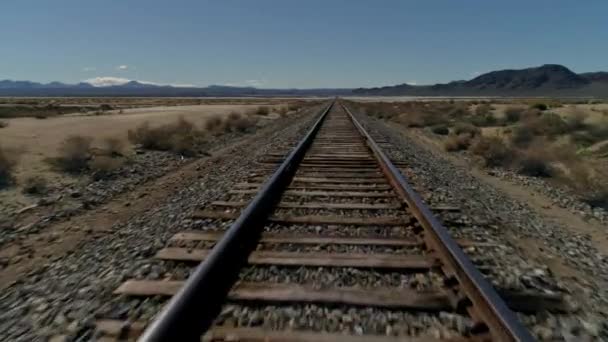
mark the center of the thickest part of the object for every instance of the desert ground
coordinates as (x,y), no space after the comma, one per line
(84,236)
(33,142)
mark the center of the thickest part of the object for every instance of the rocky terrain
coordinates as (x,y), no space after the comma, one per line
(543,247)
(67,291)
(62,292)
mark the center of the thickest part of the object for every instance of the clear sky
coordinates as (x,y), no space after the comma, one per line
(289,43)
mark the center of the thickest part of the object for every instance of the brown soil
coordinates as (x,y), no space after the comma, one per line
(60,238)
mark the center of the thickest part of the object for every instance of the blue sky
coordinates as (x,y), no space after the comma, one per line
(331,43)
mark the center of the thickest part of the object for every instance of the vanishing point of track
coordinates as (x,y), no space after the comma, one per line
(334,202)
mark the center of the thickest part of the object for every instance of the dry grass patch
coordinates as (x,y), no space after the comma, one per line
(493,151)
(74,154)
(513,114)
(466,128)
(262,110)
(113,147)
(440,129)
(236,122)
(7,165)
(35,185)
(457,142)
(104,167)
(181,137)
(214,124)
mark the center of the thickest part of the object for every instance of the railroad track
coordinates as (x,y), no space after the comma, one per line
(327,242)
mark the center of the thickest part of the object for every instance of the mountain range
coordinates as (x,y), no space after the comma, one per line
(545,80)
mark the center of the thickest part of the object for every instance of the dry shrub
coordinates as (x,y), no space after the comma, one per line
(181,137)
(239,123)
(522,136)
(576,120)
(534,162)
(597,196)
(214,124)
(440,129)
(35,185)
(423,115)
(592,189)
(552,124)
(294,106)
(539,106)
(466,128)
(457,142)
(485,120)
(599,130)
(454,110)
(104,167)
(7,165)
(113,147)
(493,151)
(262,110)
(483,109)
(282,111)
(513,114)
(74,153)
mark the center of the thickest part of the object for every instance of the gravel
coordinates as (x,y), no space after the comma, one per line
(341,230)
(345,320)
(491,215)
(65,294)
(325,277)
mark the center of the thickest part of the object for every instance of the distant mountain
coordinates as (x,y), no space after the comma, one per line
(600,76)
(546,80)
(135,88)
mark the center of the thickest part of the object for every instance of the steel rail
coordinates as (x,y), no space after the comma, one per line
(501,322)
(192,310)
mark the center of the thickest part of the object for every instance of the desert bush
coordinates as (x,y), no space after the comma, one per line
(483,109)
(214,124)
(457,111)
(534,164)
(583,139)
(35,185)
(41,116)
(103,167)
(7,165)
(180,137)
(599,130)
(485,120)
(105,107)
(440,129)
(522,135)
(239,123)
(3,124)
(262,110)
(74,154)
(466,128)
(457,142)
(282,111)
(113,147)
(597,197)
(539,106)
(513,114)
(148,137)
(576,120)
(493,151)
(293,106)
